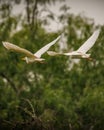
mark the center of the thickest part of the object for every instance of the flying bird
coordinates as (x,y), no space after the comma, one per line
(30,57)
(81,52)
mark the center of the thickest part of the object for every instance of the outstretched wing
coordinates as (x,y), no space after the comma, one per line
(15,48)
(46,47)
(89,43)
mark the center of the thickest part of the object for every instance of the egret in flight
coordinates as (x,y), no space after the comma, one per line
(81,52)
(30,57)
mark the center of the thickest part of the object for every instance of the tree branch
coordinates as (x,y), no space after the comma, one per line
(9,81)
(34,16)
(28,11)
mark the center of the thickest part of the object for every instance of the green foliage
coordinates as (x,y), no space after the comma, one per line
(91,108)
(61,94)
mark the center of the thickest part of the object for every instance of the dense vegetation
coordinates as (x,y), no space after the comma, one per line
(63,93)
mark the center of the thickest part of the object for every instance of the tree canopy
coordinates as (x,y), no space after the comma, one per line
(63,93)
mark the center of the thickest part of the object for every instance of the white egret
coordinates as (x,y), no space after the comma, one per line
(30,57)
(81,52)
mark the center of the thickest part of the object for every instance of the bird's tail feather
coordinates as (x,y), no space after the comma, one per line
(53,53)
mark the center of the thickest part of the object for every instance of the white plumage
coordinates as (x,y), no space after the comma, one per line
(30,57)
(90,42)
(81,52)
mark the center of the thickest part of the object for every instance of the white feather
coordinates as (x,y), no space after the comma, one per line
(46,47)
(89,43)
(12,47)
(81,52)
(30,57)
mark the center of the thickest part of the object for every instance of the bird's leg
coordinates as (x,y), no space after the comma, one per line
(91,59)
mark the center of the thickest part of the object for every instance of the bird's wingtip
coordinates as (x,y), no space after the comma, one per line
(5,44)
(98,30)
(59,37)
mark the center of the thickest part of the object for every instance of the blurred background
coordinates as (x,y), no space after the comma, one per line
(63,93)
